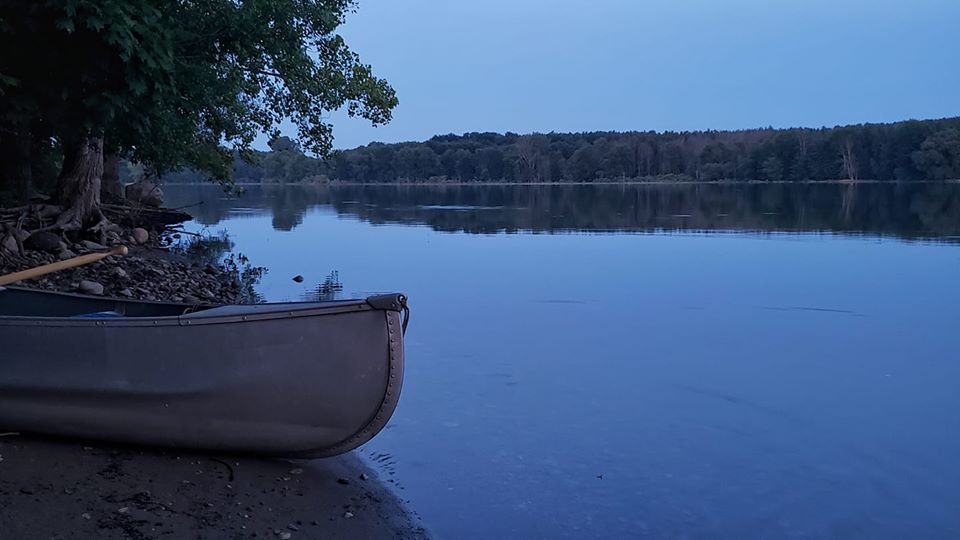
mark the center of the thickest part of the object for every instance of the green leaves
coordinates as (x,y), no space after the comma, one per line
(939,155)
(174,83)
(6,80)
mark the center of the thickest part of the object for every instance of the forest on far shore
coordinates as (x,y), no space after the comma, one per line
(915,150)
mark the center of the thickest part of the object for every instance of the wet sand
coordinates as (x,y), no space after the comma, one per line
(61,489)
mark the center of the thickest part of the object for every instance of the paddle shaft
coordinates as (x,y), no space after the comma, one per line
(61,265)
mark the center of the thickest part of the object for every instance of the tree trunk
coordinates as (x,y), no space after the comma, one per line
(110,188)
(78,188)
(849,161)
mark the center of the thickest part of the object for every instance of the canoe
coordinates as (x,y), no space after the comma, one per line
(303,379)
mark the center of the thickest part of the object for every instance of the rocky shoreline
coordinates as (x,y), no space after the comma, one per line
(164,264)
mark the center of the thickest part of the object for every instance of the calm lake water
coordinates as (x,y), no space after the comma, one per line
(777,361)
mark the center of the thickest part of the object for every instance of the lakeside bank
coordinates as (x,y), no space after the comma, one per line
(59,488)
(53,488)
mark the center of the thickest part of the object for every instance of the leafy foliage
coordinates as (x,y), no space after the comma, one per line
(181,83)
(939,155)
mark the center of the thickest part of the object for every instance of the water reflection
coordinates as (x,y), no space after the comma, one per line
(328,290)
(903,210)
(586,385)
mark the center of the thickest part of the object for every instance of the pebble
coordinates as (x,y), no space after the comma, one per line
(298,278)
(90,287)
(93,246)
(140,235)
(85,515)
(348,515)
(67,254)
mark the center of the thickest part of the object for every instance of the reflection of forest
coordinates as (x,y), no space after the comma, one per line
(907,210)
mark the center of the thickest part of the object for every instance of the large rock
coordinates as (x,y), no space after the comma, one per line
(43,241)
(145,192)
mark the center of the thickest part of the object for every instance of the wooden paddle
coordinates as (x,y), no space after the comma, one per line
(62,265)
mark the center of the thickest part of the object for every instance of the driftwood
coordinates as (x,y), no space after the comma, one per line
(39,216)
(140,216)
(17,223)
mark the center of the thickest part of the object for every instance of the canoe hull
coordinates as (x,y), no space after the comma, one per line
(302,380)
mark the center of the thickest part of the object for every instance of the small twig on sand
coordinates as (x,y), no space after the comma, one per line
(181,231)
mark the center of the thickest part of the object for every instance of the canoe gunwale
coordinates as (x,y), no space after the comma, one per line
(390,302)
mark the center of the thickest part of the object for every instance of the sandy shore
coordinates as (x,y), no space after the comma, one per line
(63,489)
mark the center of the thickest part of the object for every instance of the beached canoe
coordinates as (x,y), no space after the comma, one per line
(293,379)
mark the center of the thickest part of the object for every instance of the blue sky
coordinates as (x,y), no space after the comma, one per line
(565,65)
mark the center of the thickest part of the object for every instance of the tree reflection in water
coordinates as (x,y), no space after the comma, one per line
(915,210)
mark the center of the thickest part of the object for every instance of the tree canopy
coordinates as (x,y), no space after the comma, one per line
(178,83)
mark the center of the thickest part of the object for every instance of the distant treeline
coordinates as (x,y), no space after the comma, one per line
(906,151)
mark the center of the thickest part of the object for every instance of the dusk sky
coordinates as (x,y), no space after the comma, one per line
(565,65)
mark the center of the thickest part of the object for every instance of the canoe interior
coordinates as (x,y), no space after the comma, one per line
(17,302)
